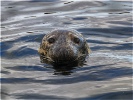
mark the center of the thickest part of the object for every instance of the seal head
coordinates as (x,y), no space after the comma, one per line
(63,48)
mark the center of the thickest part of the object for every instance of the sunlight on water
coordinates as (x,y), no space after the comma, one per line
(107,28)
(115,56)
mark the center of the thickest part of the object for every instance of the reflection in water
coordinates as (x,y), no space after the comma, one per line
(83,74)
(107,26)
(63,70)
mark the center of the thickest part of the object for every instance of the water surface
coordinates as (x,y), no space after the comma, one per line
(107,27)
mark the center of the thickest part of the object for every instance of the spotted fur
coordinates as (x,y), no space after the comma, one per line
(65,47)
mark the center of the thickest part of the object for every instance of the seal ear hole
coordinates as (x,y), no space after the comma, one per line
(51,40)
(76,40)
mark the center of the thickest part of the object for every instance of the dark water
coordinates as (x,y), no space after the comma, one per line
(107,27)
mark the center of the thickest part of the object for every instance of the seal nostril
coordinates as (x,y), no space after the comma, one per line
(76,40)
(51,40)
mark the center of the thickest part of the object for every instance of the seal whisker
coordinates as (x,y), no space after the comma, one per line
(49,59)
(81,57)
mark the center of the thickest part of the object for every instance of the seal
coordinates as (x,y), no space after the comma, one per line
(63,48)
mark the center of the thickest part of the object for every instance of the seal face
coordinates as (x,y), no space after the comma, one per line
(63,48)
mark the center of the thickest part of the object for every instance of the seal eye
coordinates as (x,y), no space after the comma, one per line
(76,40)
(51,40)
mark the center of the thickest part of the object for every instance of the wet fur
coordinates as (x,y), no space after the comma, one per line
(45,47)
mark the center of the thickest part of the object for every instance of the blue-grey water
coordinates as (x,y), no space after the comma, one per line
(107,27)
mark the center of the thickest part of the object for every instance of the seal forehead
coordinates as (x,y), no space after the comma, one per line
(57,33)
(67,34)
